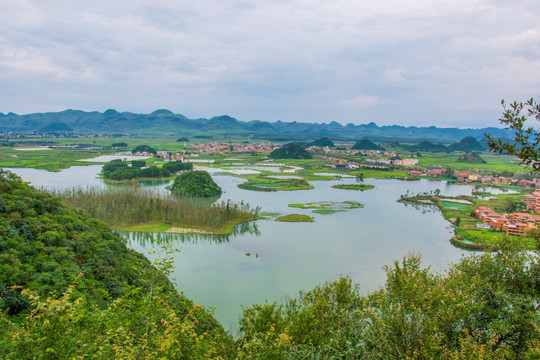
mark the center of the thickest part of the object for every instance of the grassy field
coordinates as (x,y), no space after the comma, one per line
(494,162)
(51,160)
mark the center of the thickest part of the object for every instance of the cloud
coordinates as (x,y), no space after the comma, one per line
(362,101)
(288,60)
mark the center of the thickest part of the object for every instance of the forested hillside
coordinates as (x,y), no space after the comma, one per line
(69,287)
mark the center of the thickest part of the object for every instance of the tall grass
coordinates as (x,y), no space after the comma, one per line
(126,206)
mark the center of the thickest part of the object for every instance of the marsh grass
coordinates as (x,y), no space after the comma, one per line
(128,206)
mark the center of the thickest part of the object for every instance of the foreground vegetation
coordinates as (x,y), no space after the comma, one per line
(129,207)
(483,307)
(86,295)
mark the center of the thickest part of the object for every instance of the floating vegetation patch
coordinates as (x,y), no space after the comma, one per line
(329,207)
(327,211)
(295,218)
(358,187)
(266,183)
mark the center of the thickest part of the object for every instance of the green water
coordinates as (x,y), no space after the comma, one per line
(288,257)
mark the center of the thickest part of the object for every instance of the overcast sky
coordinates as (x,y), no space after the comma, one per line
(407,62)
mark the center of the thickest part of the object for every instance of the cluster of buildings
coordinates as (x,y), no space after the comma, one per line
(398,162)
(497,180)
(515,224)
(533,201)
(223,148)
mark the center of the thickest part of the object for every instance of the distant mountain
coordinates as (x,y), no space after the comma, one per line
(165,121)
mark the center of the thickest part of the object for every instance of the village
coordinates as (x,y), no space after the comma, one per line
(515,224)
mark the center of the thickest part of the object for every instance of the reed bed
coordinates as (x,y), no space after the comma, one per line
(127,206)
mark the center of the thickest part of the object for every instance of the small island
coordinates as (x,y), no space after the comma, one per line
(329,207)
(295,218)
(195,183)
(358,187)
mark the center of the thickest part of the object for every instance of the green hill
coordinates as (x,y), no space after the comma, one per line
(471,157)
(290,151)
(467,144)
(366,144)
(322,142)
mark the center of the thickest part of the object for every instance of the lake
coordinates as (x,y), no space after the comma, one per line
(290,257)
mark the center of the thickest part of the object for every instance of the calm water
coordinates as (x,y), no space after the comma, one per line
(216,272)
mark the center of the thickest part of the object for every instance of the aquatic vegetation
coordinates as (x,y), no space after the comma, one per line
(329,207)
(295,218)
(129,206)
(359,187)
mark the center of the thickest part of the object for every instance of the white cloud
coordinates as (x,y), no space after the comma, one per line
(362,101)
(288,60)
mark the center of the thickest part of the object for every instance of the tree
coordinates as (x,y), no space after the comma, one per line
(195,183)
(526,141)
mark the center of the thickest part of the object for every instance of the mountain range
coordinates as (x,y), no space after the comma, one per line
(165,121)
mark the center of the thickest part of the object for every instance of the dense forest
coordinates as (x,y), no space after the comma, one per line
(70,288)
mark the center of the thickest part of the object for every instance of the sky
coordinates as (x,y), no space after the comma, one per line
(446,63)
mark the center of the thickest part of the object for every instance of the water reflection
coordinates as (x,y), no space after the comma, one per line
(147,239)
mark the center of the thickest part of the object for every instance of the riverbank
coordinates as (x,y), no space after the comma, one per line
(460,211)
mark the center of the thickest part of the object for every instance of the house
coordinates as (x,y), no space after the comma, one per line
(415,173)
(435,172)
(462,176)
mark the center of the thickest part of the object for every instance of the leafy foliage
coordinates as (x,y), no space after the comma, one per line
(526,141)
(119,170)
(175,166)
(195,183)
(122,307)
(484,307)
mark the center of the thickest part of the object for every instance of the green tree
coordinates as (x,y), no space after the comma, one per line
(195,183)
(526,141)
(144,148)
